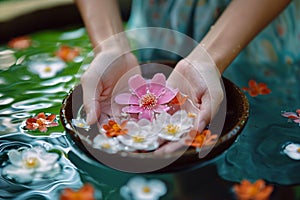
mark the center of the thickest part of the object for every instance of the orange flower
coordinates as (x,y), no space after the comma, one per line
(198,139)
(67,53)
(256,191)
(84,193)
(22,42)
(179,99)
(257,88)
(113,129)
(41,122)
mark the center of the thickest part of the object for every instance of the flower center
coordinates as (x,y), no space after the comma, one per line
(253,191)
(172,129)
(47,69)
(105,146)
(138,139)
(148,101)
(31,162)
(146,189)
(298,150)
(116,127)
(80,124)
(41,121)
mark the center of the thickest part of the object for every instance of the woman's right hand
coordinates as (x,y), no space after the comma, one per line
(98,82)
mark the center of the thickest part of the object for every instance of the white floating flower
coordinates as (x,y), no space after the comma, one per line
(46,68)
(80,123)
(29,164)
(292,150)
(140,136)
(7,59)
(172,127)
(139,188)
(109,145)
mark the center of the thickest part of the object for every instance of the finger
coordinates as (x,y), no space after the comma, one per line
(91,94)
(168,148)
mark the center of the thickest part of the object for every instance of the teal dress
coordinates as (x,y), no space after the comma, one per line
(273,58)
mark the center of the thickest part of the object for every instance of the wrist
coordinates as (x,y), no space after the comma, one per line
(202,60)
(116,43)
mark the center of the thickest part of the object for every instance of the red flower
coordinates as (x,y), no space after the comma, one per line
(113,129)
(67,53)
(22,42)
(179,99)
(84,193)
(257,88)
(256,191)
(198,139)
(293,116)
(41,122)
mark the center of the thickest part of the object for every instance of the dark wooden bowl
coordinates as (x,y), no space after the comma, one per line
(236,117)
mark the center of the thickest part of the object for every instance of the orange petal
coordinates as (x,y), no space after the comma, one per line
(51,117)
(252,84)
(41,115)
(253,93)
(265,91)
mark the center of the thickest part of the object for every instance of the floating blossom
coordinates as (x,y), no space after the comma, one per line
(80,123)
(147,98)
(256,191)
(19,43)
(179,99)
(256,89)
(46,68)
(67,53)
(141,135)
(293,116)
(29,164)
(41,122)
(174,126)
(292,150)
(85,193)
(7,59)
(139,188)
(198,140)
(113,129)
(109,145)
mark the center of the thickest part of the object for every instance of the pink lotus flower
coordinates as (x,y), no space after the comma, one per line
(293,116)
(147,97)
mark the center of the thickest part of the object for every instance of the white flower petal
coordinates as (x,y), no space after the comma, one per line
(21,175)
(15,157)
(292,151)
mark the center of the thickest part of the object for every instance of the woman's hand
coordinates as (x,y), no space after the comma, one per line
(197,77)
(102,75)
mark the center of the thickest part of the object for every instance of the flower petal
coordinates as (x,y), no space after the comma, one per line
(157,84)
(138,84)
(146,114)
(290,115)
(127,98)
(132,109)
(168,95)
(161,108)
(51,117)
(15,157)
